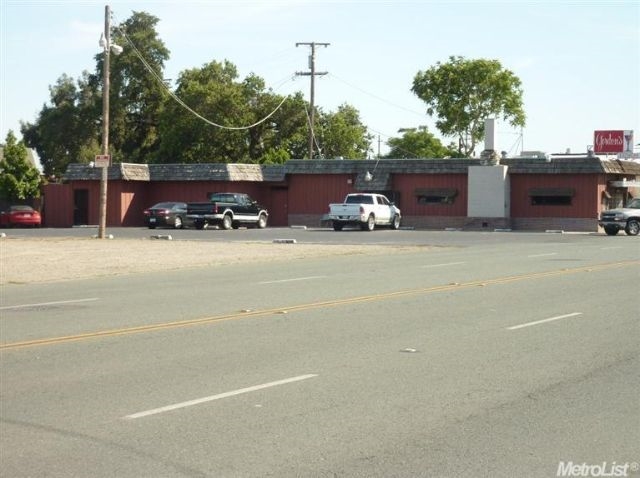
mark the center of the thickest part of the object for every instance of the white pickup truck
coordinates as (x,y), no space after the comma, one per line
(366,210)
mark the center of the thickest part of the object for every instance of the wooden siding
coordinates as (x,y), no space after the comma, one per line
(407,184)
(312,193)
(57,205)
(585,202)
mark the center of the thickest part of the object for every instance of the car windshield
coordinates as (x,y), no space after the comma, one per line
(21,208)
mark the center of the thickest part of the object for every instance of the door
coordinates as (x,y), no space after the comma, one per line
(278,209)
(80,207)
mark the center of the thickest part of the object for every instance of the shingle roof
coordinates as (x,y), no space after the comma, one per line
(382,166)
(179,172)
(571,165)
(380,170)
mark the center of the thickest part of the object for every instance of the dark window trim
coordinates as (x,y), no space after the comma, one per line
(555,192)
(429,196)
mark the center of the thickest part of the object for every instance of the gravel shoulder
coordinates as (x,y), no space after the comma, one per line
(24,261)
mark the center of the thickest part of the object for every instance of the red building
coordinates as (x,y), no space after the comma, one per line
(524,194)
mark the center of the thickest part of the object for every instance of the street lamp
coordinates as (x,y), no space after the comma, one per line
(105,43)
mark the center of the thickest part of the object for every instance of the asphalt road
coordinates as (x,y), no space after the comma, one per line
(493,355)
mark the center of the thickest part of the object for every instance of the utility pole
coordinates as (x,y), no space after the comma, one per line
(312,73)
(102,220)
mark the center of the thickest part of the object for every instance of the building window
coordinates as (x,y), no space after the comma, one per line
(430,196)
(551,196)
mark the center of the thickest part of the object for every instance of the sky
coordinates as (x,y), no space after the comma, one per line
(578,61)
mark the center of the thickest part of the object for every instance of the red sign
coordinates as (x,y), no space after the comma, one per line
(609,141)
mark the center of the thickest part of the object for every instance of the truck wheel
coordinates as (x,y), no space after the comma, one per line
(199,224)
(395,223)
(370,225)
(262,221)
(633,227)
(337,226)
(227,222)
(611,231)
(177,223)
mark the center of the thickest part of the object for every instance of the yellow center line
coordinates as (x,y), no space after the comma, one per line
(312,305)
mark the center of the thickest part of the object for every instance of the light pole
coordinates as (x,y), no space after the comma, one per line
(105,43)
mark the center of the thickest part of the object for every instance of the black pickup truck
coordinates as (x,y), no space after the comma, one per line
(227,210)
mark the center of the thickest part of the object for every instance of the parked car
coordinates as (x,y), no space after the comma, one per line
(166,214)
(20,216)
(364,210)
(625,219)
(228,210)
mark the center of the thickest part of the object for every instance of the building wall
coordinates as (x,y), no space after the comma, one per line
(302,199)
(585,202)
(408,184)
(57,202)
(580,215)
(311,194)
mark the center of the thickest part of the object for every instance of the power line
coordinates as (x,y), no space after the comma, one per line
(182,103)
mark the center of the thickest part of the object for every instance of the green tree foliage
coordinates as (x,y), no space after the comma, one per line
(342,134)
(214,94)
(229,106)
(417,143)
(65,131)
(19,180)
(463,93)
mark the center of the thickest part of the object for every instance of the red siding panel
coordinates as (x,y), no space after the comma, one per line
(57,205)
(585,202)
(312,193)
(408,203)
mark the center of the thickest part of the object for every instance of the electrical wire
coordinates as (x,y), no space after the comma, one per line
(313,133)
(182,103)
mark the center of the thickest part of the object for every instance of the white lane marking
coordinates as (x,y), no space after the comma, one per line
(544,255)
(610,248)
(198,401)
(550,319)
(444,265)
(42,304)
(291,280)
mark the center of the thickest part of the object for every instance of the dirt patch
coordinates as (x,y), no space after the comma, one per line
(45,260)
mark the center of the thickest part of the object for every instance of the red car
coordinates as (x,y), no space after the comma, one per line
(20,216)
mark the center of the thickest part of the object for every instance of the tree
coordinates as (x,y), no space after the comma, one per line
(222,107)
(463,93)
(67,130)
(342,134)
(417,143)
(19,180)
(213,93)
